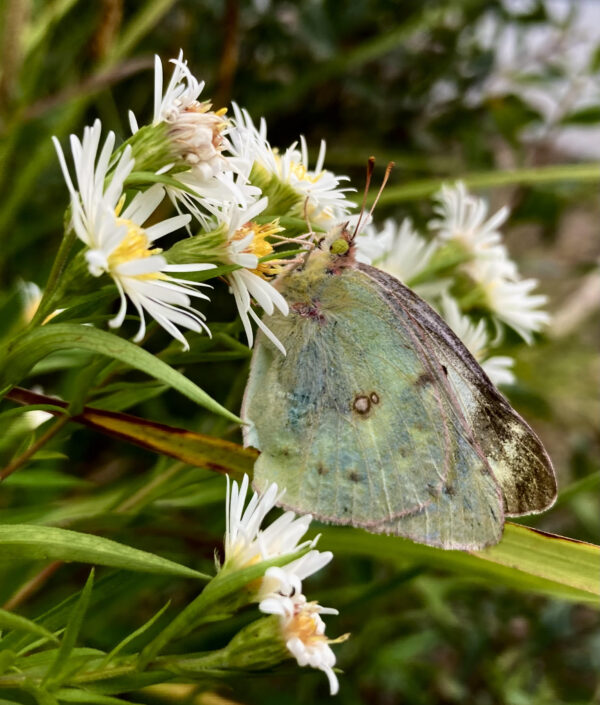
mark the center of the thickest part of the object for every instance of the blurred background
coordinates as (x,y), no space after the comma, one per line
(446,90)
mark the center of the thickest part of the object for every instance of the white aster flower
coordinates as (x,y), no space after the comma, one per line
(509,299)
(246,244)
(476,340)
(199,135)
(247,543)
(399,250)
(303,632)
(461,217)
(320,190)
(119,244)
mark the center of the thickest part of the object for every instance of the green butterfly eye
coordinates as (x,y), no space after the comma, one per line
(339,247)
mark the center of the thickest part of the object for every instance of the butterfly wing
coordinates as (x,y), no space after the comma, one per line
(515,453)
(357,421)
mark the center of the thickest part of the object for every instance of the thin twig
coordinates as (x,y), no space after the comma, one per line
(31,586)
(34,448)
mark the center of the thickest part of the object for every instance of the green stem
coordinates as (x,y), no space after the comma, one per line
(60,262)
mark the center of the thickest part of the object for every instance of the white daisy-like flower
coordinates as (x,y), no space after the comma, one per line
(398,250)
(199,135)
(509,299)
(195,130)
(322,196)
(476,340)
(461,217)
(246,242)
(119,244)
(303,632)
(246,542)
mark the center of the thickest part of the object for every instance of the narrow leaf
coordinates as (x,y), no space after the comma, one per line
(23,353)
(134,635)
(539,175)
(28,542)
(189,447)
(76,695)
(9,620)
(525,559)
(71,632)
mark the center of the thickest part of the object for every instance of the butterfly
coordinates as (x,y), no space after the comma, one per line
(379,417)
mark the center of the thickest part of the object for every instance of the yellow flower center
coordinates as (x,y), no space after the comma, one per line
(304,626)
(260,247)
(302,173)
(134,245)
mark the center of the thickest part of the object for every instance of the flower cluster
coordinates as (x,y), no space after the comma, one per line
(465,272)
(229,188)
(279,592)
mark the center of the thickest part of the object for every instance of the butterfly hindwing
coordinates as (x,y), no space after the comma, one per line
(356,422)
(515,453)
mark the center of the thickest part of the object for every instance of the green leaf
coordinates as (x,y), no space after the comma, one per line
(134,635)
(23,353)
(188,446)
(76,695)
(57,668)
(525,559)
(9,620)
(27,542)
(488,179)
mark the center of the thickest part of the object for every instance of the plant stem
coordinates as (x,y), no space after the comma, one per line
(58,268)
(33,449)
(31,586)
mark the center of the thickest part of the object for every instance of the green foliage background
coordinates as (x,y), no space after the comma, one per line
(359,74)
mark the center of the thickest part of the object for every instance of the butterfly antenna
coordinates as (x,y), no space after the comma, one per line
(386,176)
(370,169)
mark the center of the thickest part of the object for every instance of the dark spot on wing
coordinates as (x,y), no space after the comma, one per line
(321,470)
(449,490)
(361,404)
(432,490)
(353,476)
(424,379)
(445,370)
(374,397)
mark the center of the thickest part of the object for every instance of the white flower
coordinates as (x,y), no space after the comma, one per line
(462,217)
(509,299)
(320,190)
(476,340)
(199,136)
(117,242)
(246,244)
(247,543)
(401,251)
(303,632)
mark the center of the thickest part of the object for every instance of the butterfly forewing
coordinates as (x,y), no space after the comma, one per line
(515,453)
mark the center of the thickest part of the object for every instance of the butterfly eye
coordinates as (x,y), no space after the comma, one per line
(339,247)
